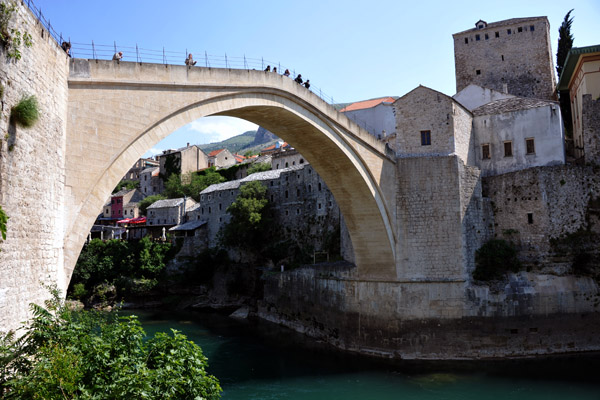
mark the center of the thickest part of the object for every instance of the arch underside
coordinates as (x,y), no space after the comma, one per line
(321,141)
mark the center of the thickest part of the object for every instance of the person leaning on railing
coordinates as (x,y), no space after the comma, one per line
(190,60)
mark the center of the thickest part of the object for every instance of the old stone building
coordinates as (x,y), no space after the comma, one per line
(182,161)
(581,78)
(512,56)
(150,182)
(375,115)
(135,171)
(123,204)
(169,212)
(221,158)
(301,203)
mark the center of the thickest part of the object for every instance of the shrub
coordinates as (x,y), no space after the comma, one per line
(26,112)
(79,291)
(494,259)
(89,355)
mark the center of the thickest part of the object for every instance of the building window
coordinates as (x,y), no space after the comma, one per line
(220,219)
(271,198)
(487,36)
(502,57)
(530,145)
(286,194)
(209,197)
(478,72)
(125,212)
(519,29)
(466,40)
(297,211)
(531,28)
(298,192)
(276,166)
(319,186)
(287,165)
(477,37)
(508,149)
(287,213)
(530,218)
(220,206)
(302,161)
(319,206)
(425,138)
(202,210)
(485,151)
(309,188)
(497,34)
(202,198)
(508,31)
(209,210)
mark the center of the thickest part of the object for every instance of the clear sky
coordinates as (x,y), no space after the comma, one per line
(351,50)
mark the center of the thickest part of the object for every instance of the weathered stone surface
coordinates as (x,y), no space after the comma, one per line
(519,62)
(32,173)
(590,124)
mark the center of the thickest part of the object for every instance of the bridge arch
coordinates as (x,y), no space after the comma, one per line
(117,111)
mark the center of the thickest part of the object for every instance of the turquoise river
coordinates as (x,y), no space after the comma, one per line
(265,361)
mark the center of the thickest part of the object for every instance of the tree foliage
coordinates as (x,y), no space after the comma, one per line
(127,265)
(250,223)
(259,167)
(494,259)
(126,184)
(3,222)
(67,354)
(565,42)
(199,181)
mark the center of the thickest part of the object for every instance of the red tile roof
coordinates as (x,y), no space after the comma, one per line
(272,147)
(239,158)
(361,105)
(215,152)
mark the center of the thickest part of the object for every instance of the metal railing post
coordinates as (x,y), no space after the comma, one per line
(137,54)
(245,64)
(206,58)
(226,66)
(93,51)
(115,47)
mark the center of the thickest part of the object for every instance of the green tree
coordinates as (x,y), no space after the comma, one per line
(259,167)
(250,223)
(126,184)
(3,222)
(173,187)
(202,180)
(494,259)
(148,201)
(565,43)
(67,354)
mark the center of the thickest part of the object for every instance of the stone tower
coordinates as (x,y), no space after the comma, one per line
(512,56)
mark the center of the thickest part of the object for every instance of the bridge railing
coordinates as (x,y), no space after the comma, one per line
(139,54)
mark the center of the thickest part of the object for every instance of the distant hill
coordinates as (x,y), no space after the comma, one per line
(252,141)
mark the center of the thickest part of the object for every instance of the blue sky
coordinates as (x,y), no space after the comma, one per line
(351,50)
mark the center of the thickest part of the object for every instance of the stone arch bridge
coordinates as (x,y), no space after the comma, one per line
(119,110)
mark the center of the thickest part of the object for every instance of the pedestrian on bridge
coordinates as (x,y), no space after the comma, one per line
(275,69)
(118,56)
(287,73)
(299,79)
(268,69)
(190,60)
(307,84)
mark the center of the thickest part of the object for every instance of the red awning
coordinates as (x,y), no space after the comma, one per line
(124,221)
(138,220)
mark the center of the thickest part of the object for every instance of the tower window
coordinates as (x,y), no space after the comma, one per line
(485,151)
(425,138)
(508,149)
(478,72)
(531,28)
(530,144)
(487,36)
(466,40)
(497,34)
(477,37)
(519,29)
(530,218)
(502,57)
(508,31)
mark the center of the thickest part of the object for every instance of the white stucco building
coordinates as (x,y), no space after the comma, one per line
(375,115)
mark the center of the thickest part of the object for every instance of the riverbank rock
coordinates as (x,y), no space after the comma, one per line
(240,313)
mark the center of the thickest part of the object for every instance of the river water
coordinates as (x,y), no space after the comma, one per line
(265,361)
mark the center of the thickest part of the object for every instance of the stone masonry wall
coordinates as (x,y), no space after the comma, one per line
(424,109)
(520,60)
(428,210)
(559,199)
(590,121)
(32,174)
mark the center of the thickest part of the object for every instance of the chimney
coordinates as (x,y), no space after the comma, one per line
(188,144)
